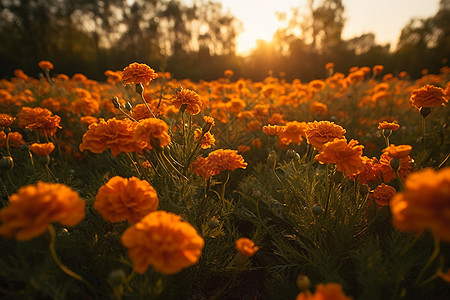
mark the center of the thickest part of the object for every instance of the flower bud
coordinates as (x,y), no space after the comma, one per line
(364,189)
(206,127)
(303,282)
(128,106)
(183,107)
(337,177)
(317,209)
(291,154)
(256,194)
(425,111)
(115,102)
(139,88)
(116,277)
(6,163)
(272,158)
(395,164)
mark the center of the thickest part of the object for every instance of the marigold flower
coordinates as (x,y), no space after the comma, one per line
(201,167)
(141,112)
(400,151)
(319,133)
(329,66)
(221,160)
(293,133)
(243,148)
(273,129)
(163,241)
(235,105)
(15,139)
(424,203)
(6,120)
(152,131)
(113,77)
(428,96)
(208,139)
(43,149)
(383,194)
(246,247)
(318,108)
(116,135)
(189,98)
(88,120)
(386,125)
(347,157)
(228,73)
(39,119)
(33,208)
(45,65)
(370,172)
(317,84)
(86,105)
(377,69)
(138,73)
(329,291)
(126,199)
(387,173)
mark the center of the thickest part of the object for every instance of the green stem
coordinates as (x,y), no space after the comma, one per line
(145,102)
(433,256)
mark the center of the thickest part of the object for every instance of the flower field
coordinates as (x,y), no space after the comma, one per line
(148,187)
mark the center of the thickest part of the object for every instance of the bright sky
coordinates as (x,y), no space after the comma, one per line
(385,18)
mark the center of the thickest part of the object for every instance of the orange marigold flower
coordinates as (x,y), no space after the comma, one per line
(293,133)
(6,120)
(318,108)
(428,96)
(221,160)
(387,173)
(243,148)
(113,77)
(347,157)
(273,129)
(189,99)
(163,241)
(386,125)
(152,131)
(319,133)
(88,120)
(33,208)
(317,84)
(15,139)
(400,151)
(383,194)
(86,105)
(329,66)
(329,291)
(370,172)
(377,69)
(424,203)
(38,119)
(138,73)
(45,65)
(228,73)
(141,111)
(208,139)
(235,105)
(116,135)
(126,199)
(201,167)
(246,247)
(43,149)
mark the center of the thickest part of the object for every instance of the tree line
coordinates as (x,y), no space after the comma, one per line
(198,40)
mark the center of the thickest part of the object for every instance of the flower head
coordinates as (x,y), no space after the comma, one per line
(152,131)
(138,73)
(38,119)
(208,139)
(320,133)
(424,203)
(43,149)
(293,133)
(400,151)
(126,199)
(386,125)
(246,247)
(221,160)
(190,99)
(428,96)
(163,241)
(34,207)
(116,135)
(347,157)
(273,129)
(45,65)
(6,120)
(383,194)
(329,291)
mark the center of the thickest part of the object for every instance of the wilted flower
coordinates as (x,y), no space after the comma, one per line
(126,199)
(43,149)
(33,208)
(163,241)
(428,96)
(424,203)
(246,247)
(190,99)
(138,73)
(319,133)
(153,132)
(116,135)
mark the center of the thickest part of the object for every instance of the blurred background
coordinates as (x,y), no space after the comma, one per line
(200,39)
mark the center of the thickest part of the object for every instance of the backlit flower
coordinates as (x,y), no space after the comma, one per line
(208,139)
(385,170)
(318,108)
(383,194)
(428,96)
(141,111)
(43,149)
(126,199)
(221,160)
(163,241)
(201,167)
(329,291)
(34,207)
(424,203)
(386,125)
(190,99)
(319,133)
(246,247)
(38,119)
(347,157)
(6,120)
(273,129)
(15,139)
(293,133)
(399,151)
(138,73)
(116,135)
(152,131)
(45,65)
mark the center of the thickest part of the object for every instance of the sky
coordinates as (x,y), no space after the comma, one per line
(385,18)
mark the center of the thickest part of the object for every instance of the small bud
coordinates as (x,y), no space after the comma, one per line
(155,143)
(6,163)
(256,194)
(425,111)
(364,189)
(206,127)
(179,89)
(139,88)
(303,282)
(317,209)
(290,154)
(337,177)
(116,277)
(128,106)
(395,164)
(183,107)
(272,158)
(115,102)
